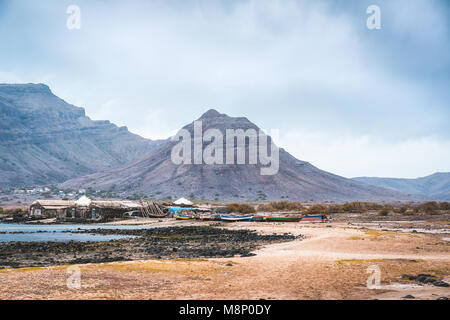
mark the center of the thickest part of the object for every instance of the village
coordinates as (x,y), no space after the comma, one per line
(86,210)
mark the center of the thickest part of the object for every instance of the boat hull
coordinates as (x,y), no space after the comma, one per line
(259,219)
(283,219)
(184,217)
(236,218)
(314,219)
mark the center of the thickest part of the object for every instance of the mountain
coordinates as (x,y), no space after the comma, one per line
(435,186)
(45,140)
(157,175)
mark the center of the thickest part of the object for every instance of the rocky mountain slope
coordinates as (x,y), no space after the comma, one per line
(45,140)
(156,175)
(435,186)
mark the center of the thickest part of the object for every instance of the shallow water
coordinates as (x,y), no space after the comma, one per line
(59,233)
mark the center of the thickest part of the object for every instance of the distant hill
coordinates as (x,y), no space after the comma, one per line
(157,175)
(435,186)
(45,140)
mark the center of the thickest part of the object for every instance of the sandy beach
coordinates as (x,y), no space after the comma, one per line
(331,262)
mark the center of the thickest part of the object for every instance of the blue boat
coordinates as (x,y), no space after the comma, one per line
(315,219)
(226,218)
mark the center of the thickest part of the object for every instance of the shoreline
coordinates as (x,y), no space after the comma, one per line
(139,244)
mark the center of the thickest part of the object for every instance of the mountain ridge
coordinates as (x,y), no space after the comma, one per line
(435,186)
(44,139)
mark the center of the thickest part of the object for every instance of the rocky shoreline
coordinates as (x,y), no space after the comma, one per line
(156,243)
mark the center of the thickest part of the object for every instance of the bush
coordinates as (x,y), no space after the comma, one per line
(358,206)
(354,207)
(444,205)
(335,208)
(408,213)
(281,206)
(431,207)
(241,208)
(373,206)
(317,209)
(384,211)
(401,209)
(15,211)
(266,207)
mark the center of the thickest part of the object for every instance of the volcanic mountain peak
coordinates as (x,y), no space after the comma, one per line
(212,113)
(157,174)
(212,119)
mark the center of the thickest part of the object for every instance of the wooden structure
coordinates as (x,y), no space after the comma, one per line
(42,209)
(95,210)
(150,209)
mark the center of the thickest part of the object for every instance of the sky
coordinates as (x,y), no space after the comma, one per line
(350,100)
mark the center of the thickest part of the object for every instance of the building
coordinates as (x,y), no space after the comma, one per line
(50,208)
(87,209)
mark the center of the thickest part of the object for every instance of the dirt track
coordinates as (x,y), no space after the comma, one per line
(330,264)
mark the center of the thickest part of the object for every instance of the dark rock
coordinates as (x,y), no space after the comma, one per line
(248,254)
(440,284)
(442,298)
(409,297)
(168,243)
(425,278)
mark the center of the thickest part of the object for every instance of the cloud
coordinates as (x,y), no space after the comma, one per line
(299,66)
(351,156)
(9,77)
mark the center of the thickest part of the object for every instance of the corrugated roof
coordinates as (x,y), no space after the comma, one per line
(115,204)
(55,207)
(60,203)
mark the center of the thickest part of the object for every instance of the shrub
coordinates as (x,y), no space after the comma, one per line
(281,206)
(335,208)
(384,211)
(317,209)
(408,213)
(431,207)
(358,207)
(401,209)
(241,208)
(444,205)
(15,211)
(265,207)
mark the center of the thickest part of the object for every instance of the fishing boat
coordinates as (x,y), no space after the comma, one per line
(283,219)
(184,216)
(259,218)
(315,219)
(226,218)
(215,217)
(207,217)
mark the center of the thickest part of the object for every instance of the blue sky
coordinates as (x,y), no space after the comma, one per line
(350,100)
